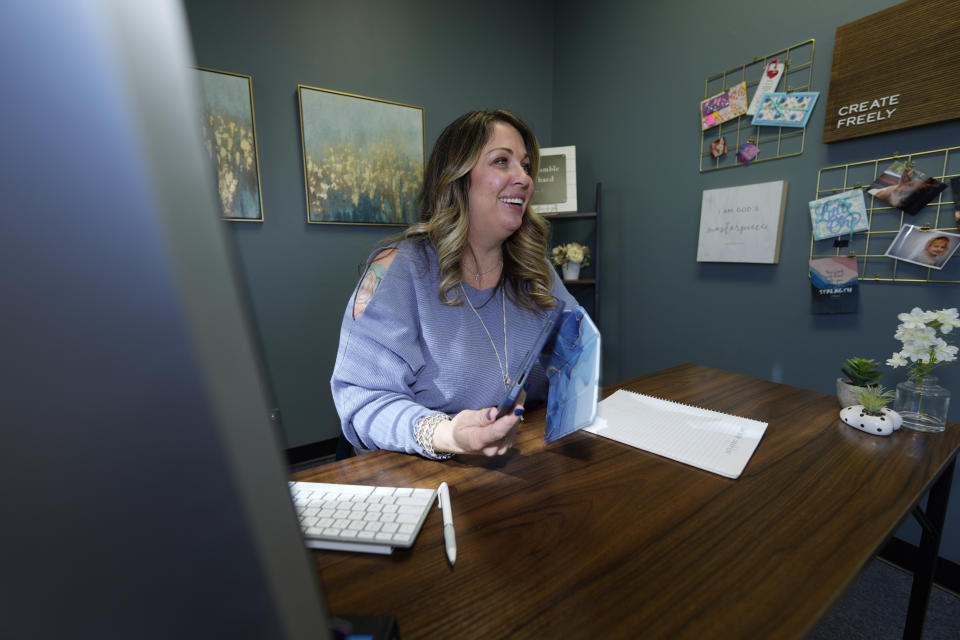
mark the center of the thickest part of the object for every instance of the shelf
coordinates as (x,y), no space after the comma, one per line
(581,283)
(572,214)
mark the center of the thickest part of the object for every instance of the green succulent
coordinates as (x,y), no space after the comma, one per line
(862,372)
(874,399)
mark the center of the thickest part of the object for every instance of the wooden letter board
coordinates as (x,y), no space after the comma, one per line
(896,68)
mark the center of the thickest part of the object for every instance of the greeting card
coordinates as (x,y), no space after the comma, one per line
(904,187)
(724,106)
(748,153)
(838,214)
(768,82)
(833,285)
(718,147)
(778,109)
(923,247)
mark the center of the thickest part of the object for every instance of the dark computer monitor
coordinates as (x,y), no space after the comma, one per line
(143,488)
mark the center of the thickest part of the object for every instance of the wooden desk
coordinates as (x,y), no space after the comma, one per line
(588,538)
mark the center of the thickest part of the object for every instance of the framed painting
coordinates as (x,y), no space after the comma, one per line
(556,189)
(362,158)
(230,138)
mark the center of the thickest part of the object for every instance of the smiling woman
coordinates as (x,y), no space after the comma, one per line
(447,310)
(500,186)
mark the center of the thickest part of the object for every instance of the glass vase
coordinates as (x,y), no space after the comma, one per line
(922,404)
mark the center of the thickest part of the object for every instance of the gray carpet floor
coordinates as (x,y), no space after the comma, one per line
(875,608)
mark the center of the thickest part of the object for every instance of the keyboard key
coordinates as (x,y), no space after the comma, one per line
(409,508)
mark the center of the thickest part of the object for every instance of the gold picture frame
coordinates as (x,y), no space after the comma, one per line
(230,139)
(363,158)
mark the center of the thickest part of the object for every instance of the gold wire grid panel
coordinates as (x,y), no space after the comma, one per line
(774,142)
(885,221)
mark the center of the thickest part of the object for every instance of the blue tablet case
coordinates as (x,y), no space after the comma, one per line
(573,371)
(547,331)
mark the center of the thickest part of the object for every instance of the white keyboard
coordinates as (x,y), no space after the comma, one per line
(356,517)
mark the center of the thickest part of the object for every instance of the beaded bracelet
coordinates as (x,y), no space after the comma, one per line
(423,430)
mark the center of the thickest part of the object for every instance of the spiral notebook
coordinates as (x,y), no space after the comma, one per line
(711,440)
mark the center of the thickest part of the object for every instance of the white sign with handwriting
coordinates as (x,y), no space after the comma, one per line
(742,224)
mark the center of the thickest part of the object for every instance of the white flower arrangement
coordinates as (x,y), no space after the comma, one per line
(570,252)
(924,347)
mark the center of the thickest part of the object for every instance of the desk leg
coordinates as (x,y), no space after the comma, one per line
(929,550)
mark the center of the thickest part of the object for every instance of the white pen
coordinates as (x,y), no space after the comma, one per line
(449,538)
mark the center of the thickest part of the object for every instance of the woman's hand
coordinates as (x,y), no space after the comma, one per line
(478,432)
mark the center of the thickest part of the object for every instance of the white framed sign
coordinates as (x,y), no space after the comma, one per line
(556,188)
(742,224)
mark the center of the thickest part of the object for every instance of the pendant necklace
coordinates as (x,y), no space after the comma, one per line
(504,371)
(477,276)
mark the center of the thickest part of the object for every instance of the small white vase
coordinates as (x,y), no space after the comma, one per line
(882,425)
(571,270)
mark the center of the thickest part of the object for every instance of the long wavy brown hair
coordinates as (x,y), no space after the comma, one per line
(444,214)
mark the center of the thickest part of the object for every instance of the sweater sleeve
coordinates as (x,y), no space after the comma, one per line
(377,363)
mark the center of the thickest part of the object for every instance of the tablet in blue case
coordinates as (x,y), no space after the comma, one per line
(573,370)
(550,325)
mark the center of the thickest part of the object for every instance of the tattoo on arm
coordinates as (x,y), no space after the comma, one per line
(368,286)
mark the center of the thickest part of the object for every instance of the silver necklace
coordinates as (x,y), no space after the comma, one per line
(504,371)
(477,276)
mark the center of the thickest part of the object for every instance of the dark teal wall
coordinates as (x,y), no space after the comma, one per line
(621,81)
(415,52)
(628,78)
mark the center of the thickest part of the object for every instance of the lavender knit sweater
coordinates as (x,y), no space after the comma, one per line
(410,355)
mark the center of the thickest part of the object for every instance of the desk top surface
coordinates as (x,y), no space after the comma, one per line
(587,537)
